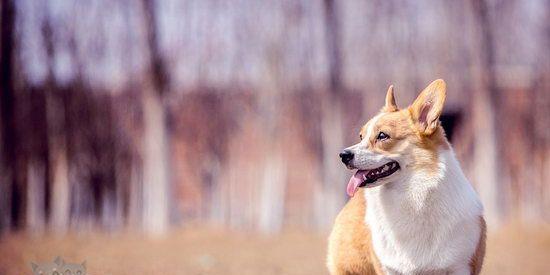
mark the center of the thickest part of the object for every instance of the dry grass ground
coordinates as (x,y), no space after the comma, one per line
(513,250)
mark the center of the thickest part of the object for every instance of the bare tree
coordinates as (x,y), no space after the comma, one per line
(331,197)
(155,160)
(483,111)
(57,141)
(273,182)
(11,188)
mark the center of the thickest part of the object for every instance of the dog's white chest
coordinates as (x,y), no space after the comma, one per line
(424,230)
(417,246)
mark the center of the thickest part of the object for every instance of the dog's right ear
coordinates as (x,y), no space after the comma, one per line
(428,106)
(390,106)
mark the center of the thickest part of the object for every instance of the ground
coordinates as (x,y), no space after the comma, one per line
(200,250)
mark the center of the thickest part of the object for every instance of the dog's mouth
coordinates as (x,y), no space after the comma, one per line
(364,178)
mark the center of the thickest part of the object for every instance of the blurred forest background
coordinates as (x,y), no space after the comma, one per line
(150,114)
(215,125)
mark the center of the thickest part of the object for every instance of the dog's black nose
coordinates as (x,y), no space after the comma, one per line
(346,156)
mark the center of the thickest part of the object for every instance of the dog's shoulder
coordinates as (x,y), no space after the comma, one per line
(350,248)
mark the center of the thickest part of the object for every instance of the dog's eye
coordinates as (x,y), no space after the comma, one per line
(360,136)
(382,136)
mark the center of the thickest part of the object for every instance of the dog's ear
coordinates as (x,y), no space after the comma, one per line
(390,106)
(427,107)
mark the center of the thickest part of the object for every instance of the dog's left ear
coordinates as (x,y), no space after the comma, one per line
(427,107)
(390,106)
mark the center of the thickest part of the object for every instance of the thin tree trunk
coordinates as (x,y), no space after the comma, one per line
(57,142)
(333,38)
(59,219)
(273,184)
(155,157)
(36,212)
(331,197)
(155,166)
(37,162)
(135,207)
(484,125)
(272,193)
(12,193)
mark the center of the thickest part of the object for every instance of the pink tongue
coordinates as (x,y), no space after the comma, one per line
(354,182)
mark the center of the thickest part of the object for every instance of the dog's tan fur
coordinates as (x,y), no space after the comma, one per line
(477,259)
(350,249)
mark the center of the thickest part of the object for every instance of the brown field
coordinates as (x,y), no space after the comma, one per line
(199,250)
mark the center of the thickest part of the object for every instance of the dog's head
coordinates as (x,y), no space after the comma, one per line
(398,142)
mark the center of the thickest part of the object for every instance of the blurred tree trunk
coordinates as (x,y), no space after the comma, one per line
(155,165)
(329,201)
(59,168)
(135,194)
(37,159)
(155,157)
(484,108)
(539,111)
(12,190)
(36,196)
(57,141)
(544,111)
(134,176)
(273,185)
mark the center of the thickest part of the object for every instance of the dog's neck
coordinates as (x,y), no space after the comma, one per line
(417,189)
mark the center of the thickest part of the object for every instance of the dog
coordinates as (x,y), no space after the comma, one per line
(412,210)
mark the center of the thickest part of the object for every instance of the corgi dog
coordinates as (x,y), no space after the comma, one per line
(412,210)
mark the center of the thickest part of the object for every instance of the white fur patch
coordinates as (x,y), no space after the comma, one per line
(425,223)
(370,128)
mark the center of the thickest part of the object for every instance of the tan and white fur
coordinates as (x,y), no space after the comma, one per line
(424,218)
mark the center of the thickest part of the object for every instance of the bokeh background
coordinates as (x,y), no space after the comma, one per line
(202,137)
